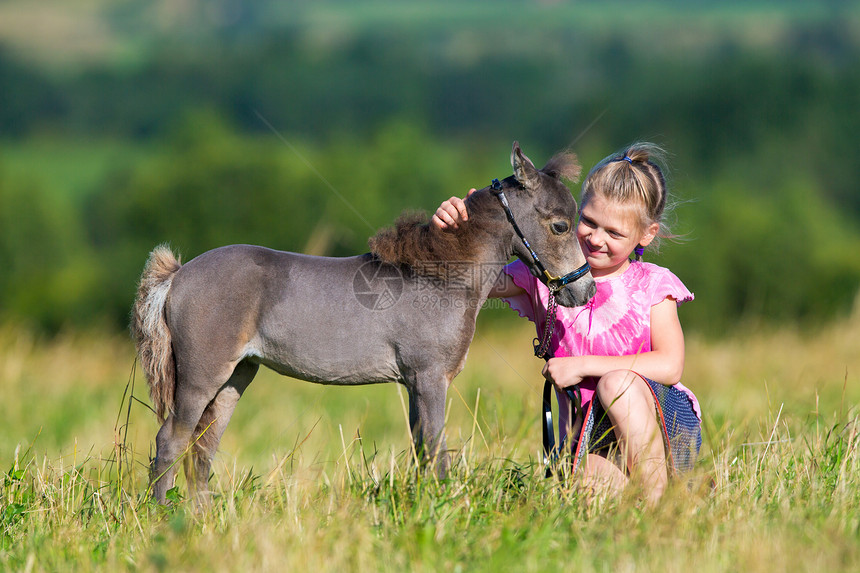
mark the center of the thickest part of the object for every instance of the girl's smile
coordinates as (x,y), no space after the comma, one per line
(608,231)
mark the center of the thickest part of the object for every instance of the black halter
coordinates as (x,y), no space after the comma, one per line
(554,284)
(542,346)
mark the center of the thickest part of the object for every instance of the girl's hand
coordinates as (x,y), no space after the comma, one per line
(451,213)
(563,372)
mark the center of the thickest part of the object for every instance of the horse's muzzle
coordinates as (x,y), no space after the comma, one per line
(576,294)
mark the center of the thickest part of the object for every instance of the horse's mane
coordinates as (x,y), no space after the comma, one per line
(563,165)
(415,242)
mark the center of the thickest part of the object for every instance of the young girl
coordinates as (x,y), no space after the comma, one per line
(625,346)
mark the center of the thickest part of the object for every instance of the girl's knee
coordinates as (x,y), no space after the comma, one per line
(617,385)
(624,393)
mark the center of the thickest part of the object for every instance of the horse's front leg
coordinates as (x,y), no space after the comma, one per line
(427,394)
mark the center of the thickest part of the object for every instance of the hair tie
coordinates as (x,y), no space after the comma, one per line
(639,250)
(628,160)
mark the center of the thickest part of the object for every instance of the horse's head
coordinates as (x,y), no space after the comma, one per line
(544,210)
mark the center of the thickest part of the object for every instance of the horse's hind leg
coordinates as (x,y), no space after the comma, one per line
(211,428)
(196,387)
(173,439)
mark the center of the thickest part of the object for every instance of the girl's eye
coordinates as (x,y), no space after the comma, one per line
(560,227)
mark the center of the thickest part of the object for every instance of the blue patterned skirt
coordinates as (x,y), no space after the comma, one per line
(682,431)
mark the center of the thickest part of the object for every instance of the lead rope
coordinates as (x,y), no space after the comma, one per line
(542,350)
(542,345)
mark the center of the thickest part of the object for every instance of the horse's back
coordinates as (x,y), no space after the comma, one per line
(295,313)
(261,262)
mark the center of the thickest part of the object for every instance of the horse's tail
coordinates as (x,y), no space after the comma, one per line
(149,328)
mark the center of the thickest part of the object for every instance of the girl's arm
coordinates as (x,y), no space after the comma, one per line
(664,363)
(448,217)
(505,287)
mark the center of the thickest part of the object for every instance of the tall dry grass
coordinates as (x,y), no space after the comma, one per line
(316,477)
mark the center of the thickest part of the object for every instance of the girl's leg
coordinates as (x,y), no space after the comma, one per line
(630,405)
(601,475)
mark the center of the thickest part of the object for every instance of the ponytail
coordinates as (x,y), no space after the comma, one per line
(633,175)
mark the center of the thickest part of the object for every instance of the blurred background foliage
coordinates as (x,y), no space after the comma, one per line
(306,125)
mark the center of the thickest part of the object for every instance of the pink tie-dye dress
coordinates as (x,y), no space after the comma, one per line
(615,322)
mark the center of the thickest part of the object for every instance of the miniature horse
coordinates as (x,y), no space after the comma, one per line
(203,329)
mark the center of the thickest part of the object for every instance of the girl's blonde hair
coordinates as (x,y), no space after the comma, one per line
(632,175)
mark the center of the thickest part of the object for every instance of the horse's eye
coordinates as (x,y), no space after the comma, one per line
(560,227)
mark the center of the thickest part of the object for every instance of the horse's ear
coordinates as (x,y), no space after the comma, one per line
(524,170)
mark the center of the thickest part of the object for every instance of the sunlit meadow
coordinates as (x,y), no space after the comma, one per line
(312,477)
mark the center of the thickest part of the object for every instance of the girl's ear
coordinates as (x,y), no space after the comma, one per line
(649,234)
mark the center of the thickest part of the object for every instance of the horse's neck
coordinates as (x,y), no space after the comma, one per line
(493,249)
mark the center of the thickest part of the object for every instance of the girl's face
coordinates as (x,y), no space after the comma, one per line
(608,231)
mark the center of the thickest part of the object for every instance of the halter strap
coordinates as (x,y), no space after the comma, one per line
(553,283)
(542,346)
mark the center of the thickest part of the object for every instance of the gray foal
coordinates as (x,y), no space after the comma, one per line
(403,313)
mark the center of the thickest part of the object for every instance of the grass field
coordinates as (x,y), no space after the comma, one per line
(316,478)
